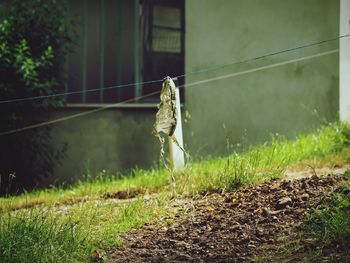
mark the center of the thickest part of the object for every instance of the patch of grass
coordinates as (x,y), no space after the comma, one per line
(267,161)
(68,223)
(328,226)
(108,219)
(259,163)
(148,181)
(71,233)
(331,160)
(36,236)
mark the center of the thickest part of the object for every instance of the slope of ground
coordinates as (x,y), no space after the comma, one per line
(69,224)
(244,226)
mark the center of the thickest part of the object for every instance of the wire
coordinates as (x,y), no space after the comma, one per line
(263,56)
(176,77)
(76,115)
(78,92)
(263,67)
(235,74)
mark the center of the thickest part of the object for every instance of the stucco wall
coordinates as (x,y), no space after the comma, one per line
(344,96)
(288,99)
(111,140)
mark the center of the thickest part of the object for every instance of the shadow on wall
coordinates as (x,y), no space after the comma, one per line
(113,140)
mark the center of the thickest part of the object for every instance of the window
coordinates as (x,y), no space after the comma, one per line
(166,29)
(121,42)
(163,38)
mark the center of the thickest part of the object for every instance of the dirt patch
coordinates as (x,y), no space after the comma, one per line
(292,174)
(234,227)
(124,194)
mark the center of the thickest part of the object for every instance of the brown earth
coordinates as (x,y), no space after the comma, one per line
(248,225)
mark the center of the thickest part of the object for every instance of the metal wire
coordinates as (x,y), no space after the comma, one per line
(235,74)
(77,92)
(174,77)
(104,107)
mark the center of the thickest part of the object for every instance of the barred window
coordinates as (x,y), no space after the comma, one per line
(121,42)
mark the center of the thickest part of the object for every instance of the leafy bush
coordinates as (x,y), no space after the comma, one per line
(33,44)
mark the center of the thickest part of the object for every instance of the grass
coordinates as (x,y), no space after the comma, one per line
(36,236)
(153,180)
(328,226)
(68,224)
(268,161)
(70,234)
(258,163)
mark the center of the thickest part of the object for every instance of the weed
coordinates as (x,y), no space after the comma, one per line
(68,224)
(328,226)
(261,162)
(70,233)
(37,236)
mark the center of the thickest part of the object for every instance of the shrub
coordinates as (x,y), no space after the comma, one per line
(34,39)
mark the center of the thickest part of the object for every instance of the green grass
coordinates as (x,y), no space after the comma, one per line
(268,160)
(70,234)
(328,226)
(79,219)
(36,236)
(90,189)
(258,163)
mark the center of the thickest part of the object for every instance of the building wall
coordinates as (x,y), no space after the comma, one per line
(113,140)
(344,96)
(287,100)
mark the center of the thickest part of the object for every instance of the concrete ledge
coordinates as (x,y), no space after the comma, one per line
(117,106)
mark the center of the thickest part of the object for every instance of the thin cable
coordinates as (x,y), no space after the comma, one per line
(235,74)
(77,92)
(175,77)
(263,67)
(261,57)
(76,115)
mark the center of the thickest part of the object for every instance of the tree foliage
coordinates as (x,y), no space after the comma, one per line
(34,40)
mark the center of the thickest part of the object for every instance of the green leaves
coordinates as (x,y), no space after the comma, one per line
(33,45)
(28,66)
(19,58)
(24,63)
(33,41)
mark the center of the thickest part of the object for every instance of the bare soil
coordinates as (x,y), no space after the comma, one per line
(248,225)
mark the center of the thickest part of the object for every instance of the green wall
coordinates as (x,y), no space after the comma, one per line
(287,100)
(111,140)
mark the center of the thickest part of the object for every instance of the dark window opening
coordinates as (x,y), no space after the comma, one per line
(124,42)
(103,52)
(162,30)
